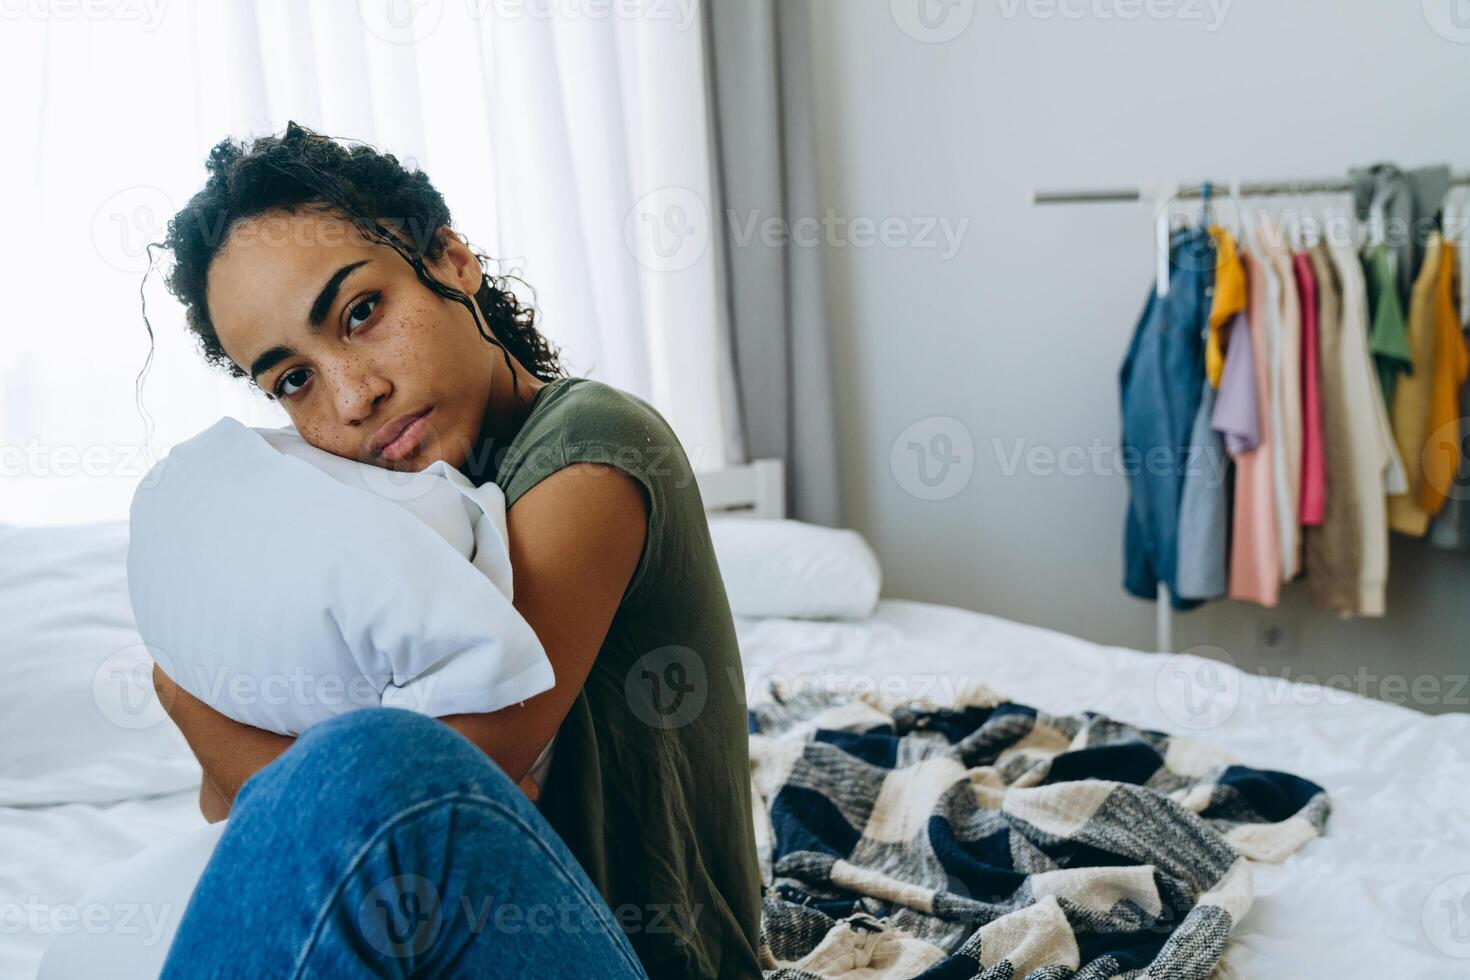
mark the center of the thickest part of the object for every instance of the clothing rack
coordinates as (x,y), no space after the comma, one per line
(1202,190)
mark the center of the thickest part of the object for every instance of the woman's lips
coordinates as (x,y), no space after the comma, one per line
(407,442)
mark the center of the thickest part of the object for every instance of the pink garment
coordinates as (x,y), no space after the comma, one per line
(1314,461)
(1255,551)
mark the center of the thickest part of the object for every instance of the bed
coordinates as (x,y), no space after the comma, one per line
(1366,900)
(1382,894)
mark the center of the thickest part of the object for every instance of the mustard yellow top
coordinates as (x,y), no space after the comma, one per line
(1451,366)
(1410,407)
(1229,300)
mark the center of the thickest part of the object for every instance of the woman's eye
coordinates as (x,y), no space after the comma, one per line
(363,308)
(291,382)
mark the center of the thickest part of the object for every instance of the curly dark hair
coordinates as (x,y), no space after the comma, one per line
(302,171)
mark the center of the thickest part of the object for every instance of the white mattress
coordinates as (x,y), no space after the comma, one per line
(1352,904)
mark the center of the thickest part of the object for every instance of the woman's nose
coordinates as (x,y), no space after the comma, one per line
(357,391)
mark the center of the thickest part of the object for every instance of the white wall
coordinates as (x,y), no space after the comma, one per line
(1019,335)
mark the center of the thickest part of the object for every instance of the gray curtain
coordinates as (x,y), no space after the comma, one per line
(763,127)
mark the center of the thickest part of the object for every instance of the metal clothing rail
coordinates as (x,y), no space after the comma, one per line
(1248,188)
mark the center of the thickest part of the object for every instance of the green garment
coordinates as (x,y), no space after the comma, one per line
(649,783)
(1388,338)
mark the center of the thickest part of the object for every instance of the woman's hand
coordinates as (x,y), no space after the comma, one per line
(228,751)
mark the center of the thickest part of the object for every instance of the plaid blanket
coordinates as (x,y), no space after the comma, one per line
(990,840)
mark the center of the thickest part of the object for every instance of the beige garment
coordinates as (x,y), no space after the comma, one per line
(1374,457)
(1290,354)
(1333,550)
(1410,409)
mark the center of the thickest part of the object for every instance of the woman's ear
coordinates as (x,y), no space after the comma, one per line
(458,265)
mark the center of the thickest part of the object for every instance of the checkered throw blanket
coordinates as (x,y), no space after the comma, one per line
(990,840)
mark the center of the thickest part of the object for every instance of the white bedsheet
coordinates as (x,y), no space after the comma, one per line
(1352,904)
(49,853)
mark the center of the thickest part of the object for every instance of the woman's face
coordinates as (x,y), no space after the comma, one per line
(367,362)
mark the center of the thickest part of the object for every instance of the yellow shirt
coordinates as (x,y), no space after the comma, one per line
(1410,408)
(1229,300)
(1451,366)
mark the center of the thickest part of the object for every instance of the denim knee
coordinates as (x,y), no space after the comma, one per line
(378,728)
(377,756)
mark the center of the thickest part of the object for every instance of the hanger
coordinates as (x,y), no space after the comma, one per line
(1459,230)
(1162,193)
(1311,226)
(1246,232)
(1306,229)
(1161,251)
(1377,222)
(1293,219)
(1211,214)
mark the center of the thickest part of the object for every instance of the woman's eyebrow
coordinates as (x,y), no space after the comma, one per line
(272,356)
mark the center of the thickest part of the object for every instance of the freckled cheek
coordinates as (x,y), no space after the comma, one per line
(422,348)
(428,338)
(310,431)
(318,428)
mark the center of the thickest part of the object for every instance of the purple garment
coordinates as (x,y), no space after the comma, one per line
(1235,415)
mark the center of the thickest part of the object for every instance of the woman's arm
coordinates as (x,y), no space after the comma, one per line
(228,751)
(575,540)
(246,750)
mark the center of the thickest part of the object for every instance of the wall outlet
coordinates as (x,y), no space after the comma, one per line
(1276,637)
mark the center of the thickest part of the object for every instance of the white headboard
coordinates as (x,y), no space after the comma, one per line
(755,489)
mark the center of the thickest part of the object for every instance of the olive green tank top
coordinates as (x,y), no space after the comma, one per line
(649,784)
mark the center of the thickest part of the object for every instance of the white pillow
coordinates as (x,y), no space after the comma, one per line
(792,570)
(282,588)
(80,722)
(470,518)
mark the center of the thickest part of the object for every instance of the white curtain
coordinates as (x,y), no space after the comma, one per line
(570,139)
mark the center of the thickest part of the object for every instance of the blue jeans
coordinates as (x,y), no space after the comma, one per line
(385,844)
(1161,382)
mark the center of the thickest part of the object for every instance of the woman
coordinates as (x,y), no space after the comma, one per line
(388,844)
